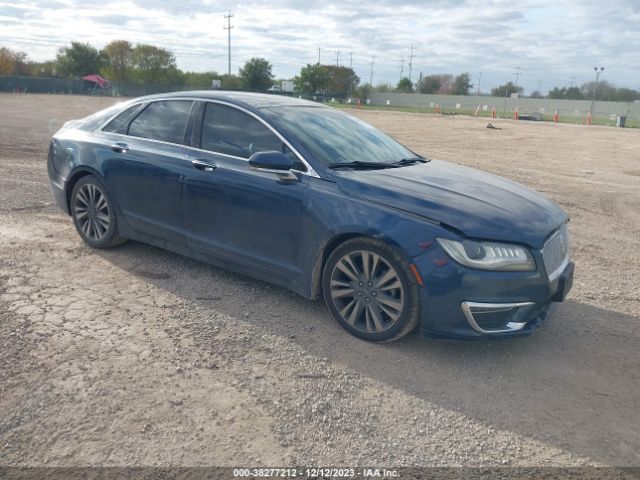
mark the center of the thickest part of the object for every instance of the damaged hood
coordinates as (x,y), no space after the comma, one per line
(478,204)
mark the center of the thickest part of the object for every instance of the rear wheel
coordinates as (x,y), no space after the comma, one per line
(368,288)
(93,213)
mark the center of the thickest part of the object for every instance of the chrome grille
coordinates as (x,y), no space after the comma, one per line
(556,252)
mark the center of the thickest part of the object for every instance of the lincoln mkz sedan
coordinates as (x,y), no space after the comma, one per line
(319,202)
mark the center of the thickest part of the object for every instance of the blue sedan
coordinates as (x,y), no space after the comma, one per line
(317,201)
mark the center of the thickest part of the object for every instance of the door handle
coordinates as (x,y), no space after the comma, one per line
(120,147)
(204,166)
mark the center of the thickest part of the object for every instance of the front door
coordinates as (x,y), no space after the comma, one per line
(237,214)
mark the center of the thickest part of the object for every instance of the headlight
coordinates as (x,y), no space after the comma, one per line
(489,255)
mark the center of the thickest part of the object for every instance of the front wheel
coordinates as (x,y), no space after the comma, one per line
(368,288)
(93,213)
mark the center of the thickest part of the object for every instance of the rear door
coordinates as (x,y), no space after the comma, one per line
(146,166)
(235,213)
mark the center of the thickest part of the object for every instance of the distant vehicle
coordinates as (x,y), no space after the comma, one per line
(287,86)
(319,202)
(274,88)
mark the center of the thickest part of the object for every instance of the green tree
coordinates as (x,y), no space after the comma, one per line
(574,93)
(230,82)
(342,81)
(42,69)
(506,90)
(384,87)
(557,93)
(605,91)
(627,95)
(363,91)
(13,62)
(79,59)
(256,75)
(462,84)
(536,94)
(154,65)
(119,54)
(431,84)
(314,78)
(200,79)
(405,85)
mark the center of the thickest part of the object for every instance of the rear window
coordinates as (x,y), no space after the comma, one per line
(164,121)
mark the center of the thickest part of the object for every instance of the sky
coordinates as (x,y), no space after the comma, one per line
(541,43)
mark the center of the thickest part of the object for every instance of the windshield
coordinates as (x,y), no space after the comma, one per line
(335,137)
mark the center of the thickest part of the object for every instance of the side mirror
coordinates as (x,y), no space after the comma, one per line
(273,162)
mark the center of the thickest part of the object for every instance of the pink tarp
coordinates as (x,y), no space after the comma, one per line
(96,79)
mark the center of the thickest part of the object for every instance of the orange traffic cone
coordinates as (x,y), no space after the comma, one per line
(493,112)
(515,114)
(555,117)
(589,118)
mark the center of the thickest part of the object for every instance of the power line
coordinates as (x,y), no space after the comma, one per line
(228,28)
(411,55)
(373,61)
(517,74)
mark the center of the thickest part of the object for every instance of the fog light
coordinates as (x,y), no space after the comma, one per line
(497,317)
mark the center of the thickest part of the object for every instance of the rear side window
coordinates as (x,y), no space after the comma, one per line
(230,131)
(163,121)
(121,122)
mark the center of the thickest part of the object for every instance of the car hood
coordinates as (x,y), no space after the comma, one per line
(478,204)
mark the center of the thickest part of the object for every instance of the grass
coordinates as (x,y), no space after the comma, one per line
(631,122)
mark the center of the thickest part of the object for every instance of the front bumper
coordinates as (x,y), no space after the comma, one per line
(463,303)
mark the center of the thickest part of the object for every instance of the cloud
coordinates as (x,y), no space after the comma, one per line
(550,41)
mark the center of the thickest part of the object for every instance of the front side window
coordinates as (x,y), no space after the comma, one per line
(164,121)
(232,132)
(336,137)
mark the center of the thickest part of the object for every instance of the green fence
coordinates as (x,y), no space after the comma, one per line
(81,87)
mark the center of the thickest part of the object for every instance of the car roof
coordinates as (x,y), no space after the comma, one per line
(248,100)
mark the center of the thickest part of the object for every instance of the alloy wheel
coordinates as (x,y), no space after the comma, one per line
(367,291)
(91,211)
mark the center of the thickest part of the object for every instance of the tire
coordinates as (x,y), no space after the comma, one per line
(93,213)
(369,290)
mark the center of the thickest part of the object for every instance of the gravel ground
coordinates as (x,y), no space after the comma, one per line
(136,356)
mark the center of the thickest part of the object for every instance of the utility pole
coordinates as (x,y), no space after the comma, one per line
(517,76)
(401,68)
(572,80)
(373,61)
(420,83)
(318,55)
(411,55)
(228,28)
(479,80)
(337,58)
(351,60)
(595,88)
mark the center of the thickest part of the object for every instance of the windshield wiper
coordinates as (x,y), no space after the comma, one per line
(362,165)
(410,161)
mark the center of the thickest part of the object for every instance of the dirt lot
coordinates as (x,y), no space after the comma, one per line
(139,356)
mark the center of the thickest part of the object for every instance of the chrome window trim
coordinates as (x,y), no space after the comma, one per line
(510,327)
(310,170)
